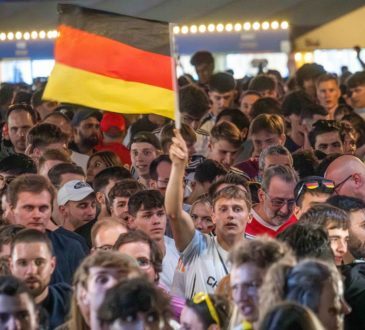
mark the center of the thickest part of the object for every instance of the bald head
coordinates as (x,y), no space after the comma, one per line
(348,173)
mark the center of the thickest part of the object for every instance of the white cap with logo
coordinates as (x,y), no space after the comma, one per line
(74,190)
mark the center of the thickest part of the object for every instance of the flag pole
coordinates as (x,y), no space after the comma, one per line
(174,78)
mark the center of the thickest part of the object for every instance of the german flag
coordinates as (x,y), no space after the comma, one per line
(112,62)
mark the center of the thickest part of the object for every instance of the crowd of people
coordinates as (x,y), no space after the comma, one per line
(249,216)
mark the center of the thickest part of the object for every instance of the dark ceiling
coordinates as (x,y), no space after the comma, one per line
(302,14)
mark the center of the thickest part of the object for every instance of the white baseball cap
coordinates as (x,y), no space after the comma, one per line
(74,190)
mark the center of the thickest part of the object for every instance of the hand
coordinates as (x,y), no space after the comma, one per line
(178,150)
(357,50)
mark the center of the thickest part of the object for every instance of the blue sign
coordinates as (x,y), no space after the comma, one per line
(234,42)
(32,49)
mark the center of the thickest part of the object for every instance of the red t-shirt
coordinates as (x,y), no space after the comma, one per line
(119,149)
(258,226)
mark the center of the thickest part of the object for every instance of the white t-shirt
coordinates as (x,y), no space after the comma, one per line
(169,263)
(205,264)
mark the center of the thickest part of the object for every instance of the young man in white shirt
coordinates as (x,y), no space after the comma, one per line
(204,257)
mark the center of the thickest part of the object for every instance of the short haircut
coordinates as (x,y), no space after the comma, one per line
(208,171)
(154,164)
(325,162)
(108,157)
(116,173)
(146,137)
(167,133)
(58,170)
(44,134)
(300,190)
(236,116)
(309,110)
(194,101)
(134,297)
(100,224)
(305,163)
(59,115)
(7,233)
(262,252)
(228,132)
(148,199)
(54,154)
(32,183)
(322,127)
(295,102)
(125,188)
(327,216)
(233,179)
(265,105)
(273,124)
(356,79)
(307,241)
(22,107)
(18,164)
(140,236)
(308,71)
(106,259)
(326,77)
(285,173)
(262,83)
(202,57)
(347,203)
(31,236)
(271,151)
(222,82)
(202,199)
(245,93)
(233,192)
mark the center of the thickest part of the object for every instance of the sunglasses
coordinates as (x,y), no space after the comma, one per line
(204,297)
(315,184)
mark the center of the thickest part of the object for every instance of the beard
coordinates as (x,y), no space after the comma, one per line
(89,141)
(356,247)
(35,286)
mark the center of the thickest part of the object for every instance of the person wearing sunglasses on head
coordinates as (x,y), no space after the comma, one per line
(311,190)
(275,209)
(205,311)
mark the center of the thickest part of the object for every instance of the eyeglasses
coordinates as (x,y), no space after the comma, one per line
(5,180)
(280,202)
(341,183)
(204,297)
(315,184)
(144,263)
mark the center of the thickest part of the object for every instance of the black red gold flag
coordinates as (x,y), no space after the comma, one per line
(112,62)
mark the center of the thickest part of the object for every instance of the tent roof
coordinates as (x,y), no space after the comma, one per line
(303,15)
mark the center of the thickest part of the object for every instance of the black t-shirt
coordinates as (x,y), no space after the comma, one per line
(69,254)
(354,282)
(290,144)
(85,232)
(57,304)
(74,236)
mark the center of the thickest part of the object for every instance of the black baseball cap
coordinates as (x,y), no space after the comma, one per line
(82,114)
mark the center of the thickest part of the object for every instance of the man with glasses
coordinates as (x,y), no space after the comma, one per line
(105,233)
(311,190)
(274,212)
(348,173)
(160,169)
